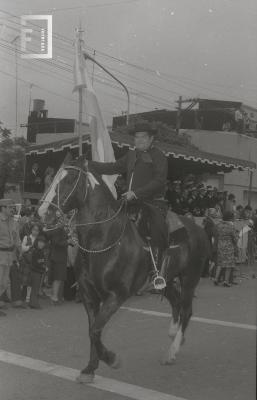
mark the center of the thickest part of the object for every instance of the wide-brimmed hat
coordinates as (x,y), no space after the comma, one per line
(143,127)
(6,203)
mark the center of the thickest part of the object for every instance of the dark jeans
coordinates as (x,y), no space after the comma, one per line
(15,283)
(153,224)
(35,286)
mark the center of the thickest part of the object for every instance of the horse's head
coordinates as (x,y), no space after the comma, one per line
(67,192)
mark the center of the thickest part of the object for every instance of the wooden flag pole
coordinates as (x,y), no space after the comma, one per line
(80,32)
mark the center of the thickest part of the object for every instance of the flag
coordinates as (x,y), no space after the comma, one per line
(101,145)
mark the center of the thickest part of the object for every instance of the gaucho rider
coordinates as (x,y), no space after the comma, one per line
(146,170)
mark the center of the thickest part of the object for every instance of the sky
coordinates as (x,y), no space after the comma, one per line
(159,48)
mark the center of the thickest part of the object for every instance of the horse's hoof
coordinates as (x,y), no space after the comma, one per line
(85,378)
(116,364)
(168,361)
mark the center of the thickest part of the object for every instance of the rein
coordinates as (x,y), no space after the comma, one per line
(71,226)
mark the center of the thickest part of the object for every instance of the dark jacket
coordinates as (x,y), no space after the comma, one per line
(146,172)
(38,261)
(58,246)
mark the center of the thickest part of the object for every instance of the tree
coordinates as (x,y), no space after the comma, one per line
(12,159)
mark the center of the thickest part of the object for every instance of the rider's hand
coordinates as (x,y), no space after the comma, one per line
(130,195)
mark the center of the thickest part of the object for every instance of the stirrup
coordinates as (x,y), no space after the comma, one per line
(159,282)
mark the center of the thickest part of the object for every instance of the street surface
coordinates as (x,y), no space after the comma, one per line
(217,361)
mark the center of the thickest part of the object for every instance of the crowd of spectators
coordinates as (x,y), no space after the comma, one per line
(230,244)
(189,197)
(42,265)
(44,261)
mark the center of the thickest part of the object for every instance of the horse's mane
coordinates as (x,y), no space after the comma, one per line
(103,188)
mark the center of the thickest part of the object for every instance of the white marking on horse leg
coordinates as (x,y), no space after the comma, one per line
(175,346)
(173,328)
(170,356)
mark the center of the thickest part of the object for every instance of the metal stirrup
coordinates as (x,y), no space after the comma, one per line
(159,282)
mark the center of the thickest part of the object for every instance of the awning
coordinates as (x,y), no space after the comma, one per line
(175,151)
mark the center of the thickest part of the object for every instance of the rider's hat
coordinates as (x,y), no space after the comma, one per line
(143,127)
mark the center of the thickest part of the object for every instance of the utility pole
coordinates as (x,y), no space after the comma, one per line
(80,32)
(30,96)
(250,188)
(93,72)
(14,41)
(179,108)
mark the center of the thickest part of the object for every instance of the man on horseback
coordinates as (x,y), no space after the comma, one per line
(146,170)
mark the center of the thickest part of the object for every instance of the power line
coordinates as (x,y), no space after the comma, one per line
(89,6)
(42,88)
(107,81)
(160,75)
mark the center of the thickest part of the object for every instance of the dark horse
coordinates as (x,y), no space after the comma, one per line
(113,262)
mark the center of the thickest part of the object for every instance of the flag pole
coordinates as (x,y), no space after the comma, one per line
(86,55)
(80,32)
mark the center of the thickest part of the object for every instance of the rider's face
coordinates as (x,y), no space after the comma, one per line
(143,141)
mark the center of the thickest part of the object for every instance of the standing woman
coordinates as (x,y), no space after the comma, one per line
(58,262)
(26,259)
(226,248)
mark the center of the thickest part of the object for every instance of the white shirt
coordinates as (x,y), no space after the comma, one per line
(24,246)
(238,115)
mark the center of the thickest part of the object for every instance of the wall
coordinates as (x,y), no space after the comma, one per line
(252,115)
(44,138)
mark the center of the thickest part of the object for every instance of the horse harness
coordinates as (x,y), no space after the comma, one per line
(159,281)
(70,225)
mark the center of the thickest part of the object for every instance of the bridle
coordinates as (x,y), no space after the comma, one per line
(58,205)
(70,225)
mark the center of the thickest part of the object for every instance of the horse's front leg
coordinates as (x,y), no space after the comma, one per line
(184,317)
(173,296)
(108,308)
(92,305)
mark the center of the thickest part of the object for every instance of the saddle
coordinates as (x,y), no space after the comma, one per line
(141,214)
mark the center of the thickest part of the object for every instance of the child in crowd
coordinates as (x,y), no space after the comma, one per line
(38,269)
(26,249)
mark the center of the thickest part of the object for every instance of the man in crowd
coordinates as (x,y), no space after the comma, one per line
(174,197)
(34,179)
(239,120)
(9,245)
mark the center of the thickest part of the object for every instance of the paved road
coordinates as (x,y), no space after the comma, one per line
(217,361)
